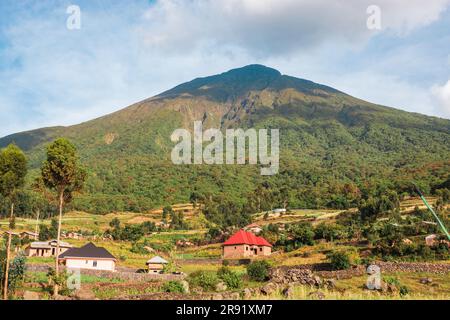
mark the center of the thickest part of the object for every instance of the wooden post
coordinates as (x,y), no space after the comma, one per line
(61,202)
(8,249)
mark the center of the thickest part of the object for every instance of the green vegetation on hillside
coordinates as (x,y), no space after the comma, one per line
(336,150)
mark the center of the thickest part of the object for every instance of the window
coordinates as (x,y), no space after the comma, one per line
(87,261)
(260,249)
(235,248)
(246,248)
(94,264)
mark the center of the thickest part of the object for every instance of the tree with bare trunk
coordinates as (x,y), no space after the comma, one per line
(13,169)
(62,173)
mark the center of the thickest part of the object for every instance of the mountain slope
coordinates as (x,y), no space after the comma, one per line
(330,143)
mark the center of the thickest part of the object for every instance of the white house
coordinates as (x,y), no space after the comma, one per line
(88,257)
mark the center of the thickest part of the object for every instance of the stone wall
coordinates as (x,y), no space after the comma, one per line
(323,269)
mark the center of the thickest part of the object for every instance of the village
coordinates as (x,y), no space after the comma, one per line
(169,264)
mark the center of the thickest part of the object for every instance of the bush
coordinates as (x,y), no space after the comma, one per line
(139,248)
(258,270)
(339,260)
(16,271)
(330,232)
(303,234)
(61,280)
(173,287)
(403,290)
(205,280)
(230,278)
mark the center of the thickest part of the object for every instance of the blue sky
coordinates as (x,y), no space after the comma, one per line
(127,51)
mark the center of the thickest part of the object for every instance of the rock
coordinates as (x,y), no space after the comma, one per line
(247,294)
(221,287)
(59,297)
(185,285)
(388,288)
(317,295)
(217,296)
(318,281)
(288,292)
(31,295)
(269,288)
(197,290)
(235,296)
(330,283)
(84,294)
(426,281)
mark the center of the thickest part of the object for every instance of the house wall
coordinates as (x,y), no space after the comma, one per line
(155,268)
(245,251)
(107,265)
(266,251)
(43,252)
(235,251)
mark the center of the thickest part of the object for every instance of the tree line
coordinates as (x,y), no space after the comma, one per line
(61,177)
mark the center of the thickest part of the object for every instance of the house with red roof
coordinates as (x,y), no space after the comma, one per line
(244,244)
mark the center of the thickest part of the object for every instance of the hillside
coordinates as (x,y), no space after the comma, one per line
(333,146)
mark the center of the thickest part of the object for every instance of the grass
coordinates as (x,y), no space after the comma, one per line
(353,289)
(41,277)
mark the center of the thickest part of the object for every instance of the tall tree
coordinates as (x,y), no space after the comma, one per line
(13,169)
(62,173)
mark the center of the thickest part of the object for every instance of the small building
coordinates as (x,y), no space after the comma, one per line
(73,235)
(245,244)
(29,235)
(46,248)
(253,228)
(88,257)
(279,210)
(156,264)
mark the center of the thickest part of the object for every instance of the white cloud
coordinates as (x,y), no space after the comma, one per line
(268,27)
(442,96)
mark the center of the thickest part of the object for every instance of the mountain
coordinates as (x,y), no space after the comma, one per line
(333,146)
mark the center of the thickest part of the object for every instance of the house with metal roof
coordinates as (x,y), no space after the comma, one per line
(46,248)
(156,264)
(88,257)
(244,244)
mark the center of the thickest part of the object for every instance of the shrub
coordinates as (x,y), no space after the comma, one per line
(206,280)
(258,270)
(16,271)
(339,260)
(62,280)
(173,287)
(230,278)
(139,248)
(222,271)
(403,290)
(330,232)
